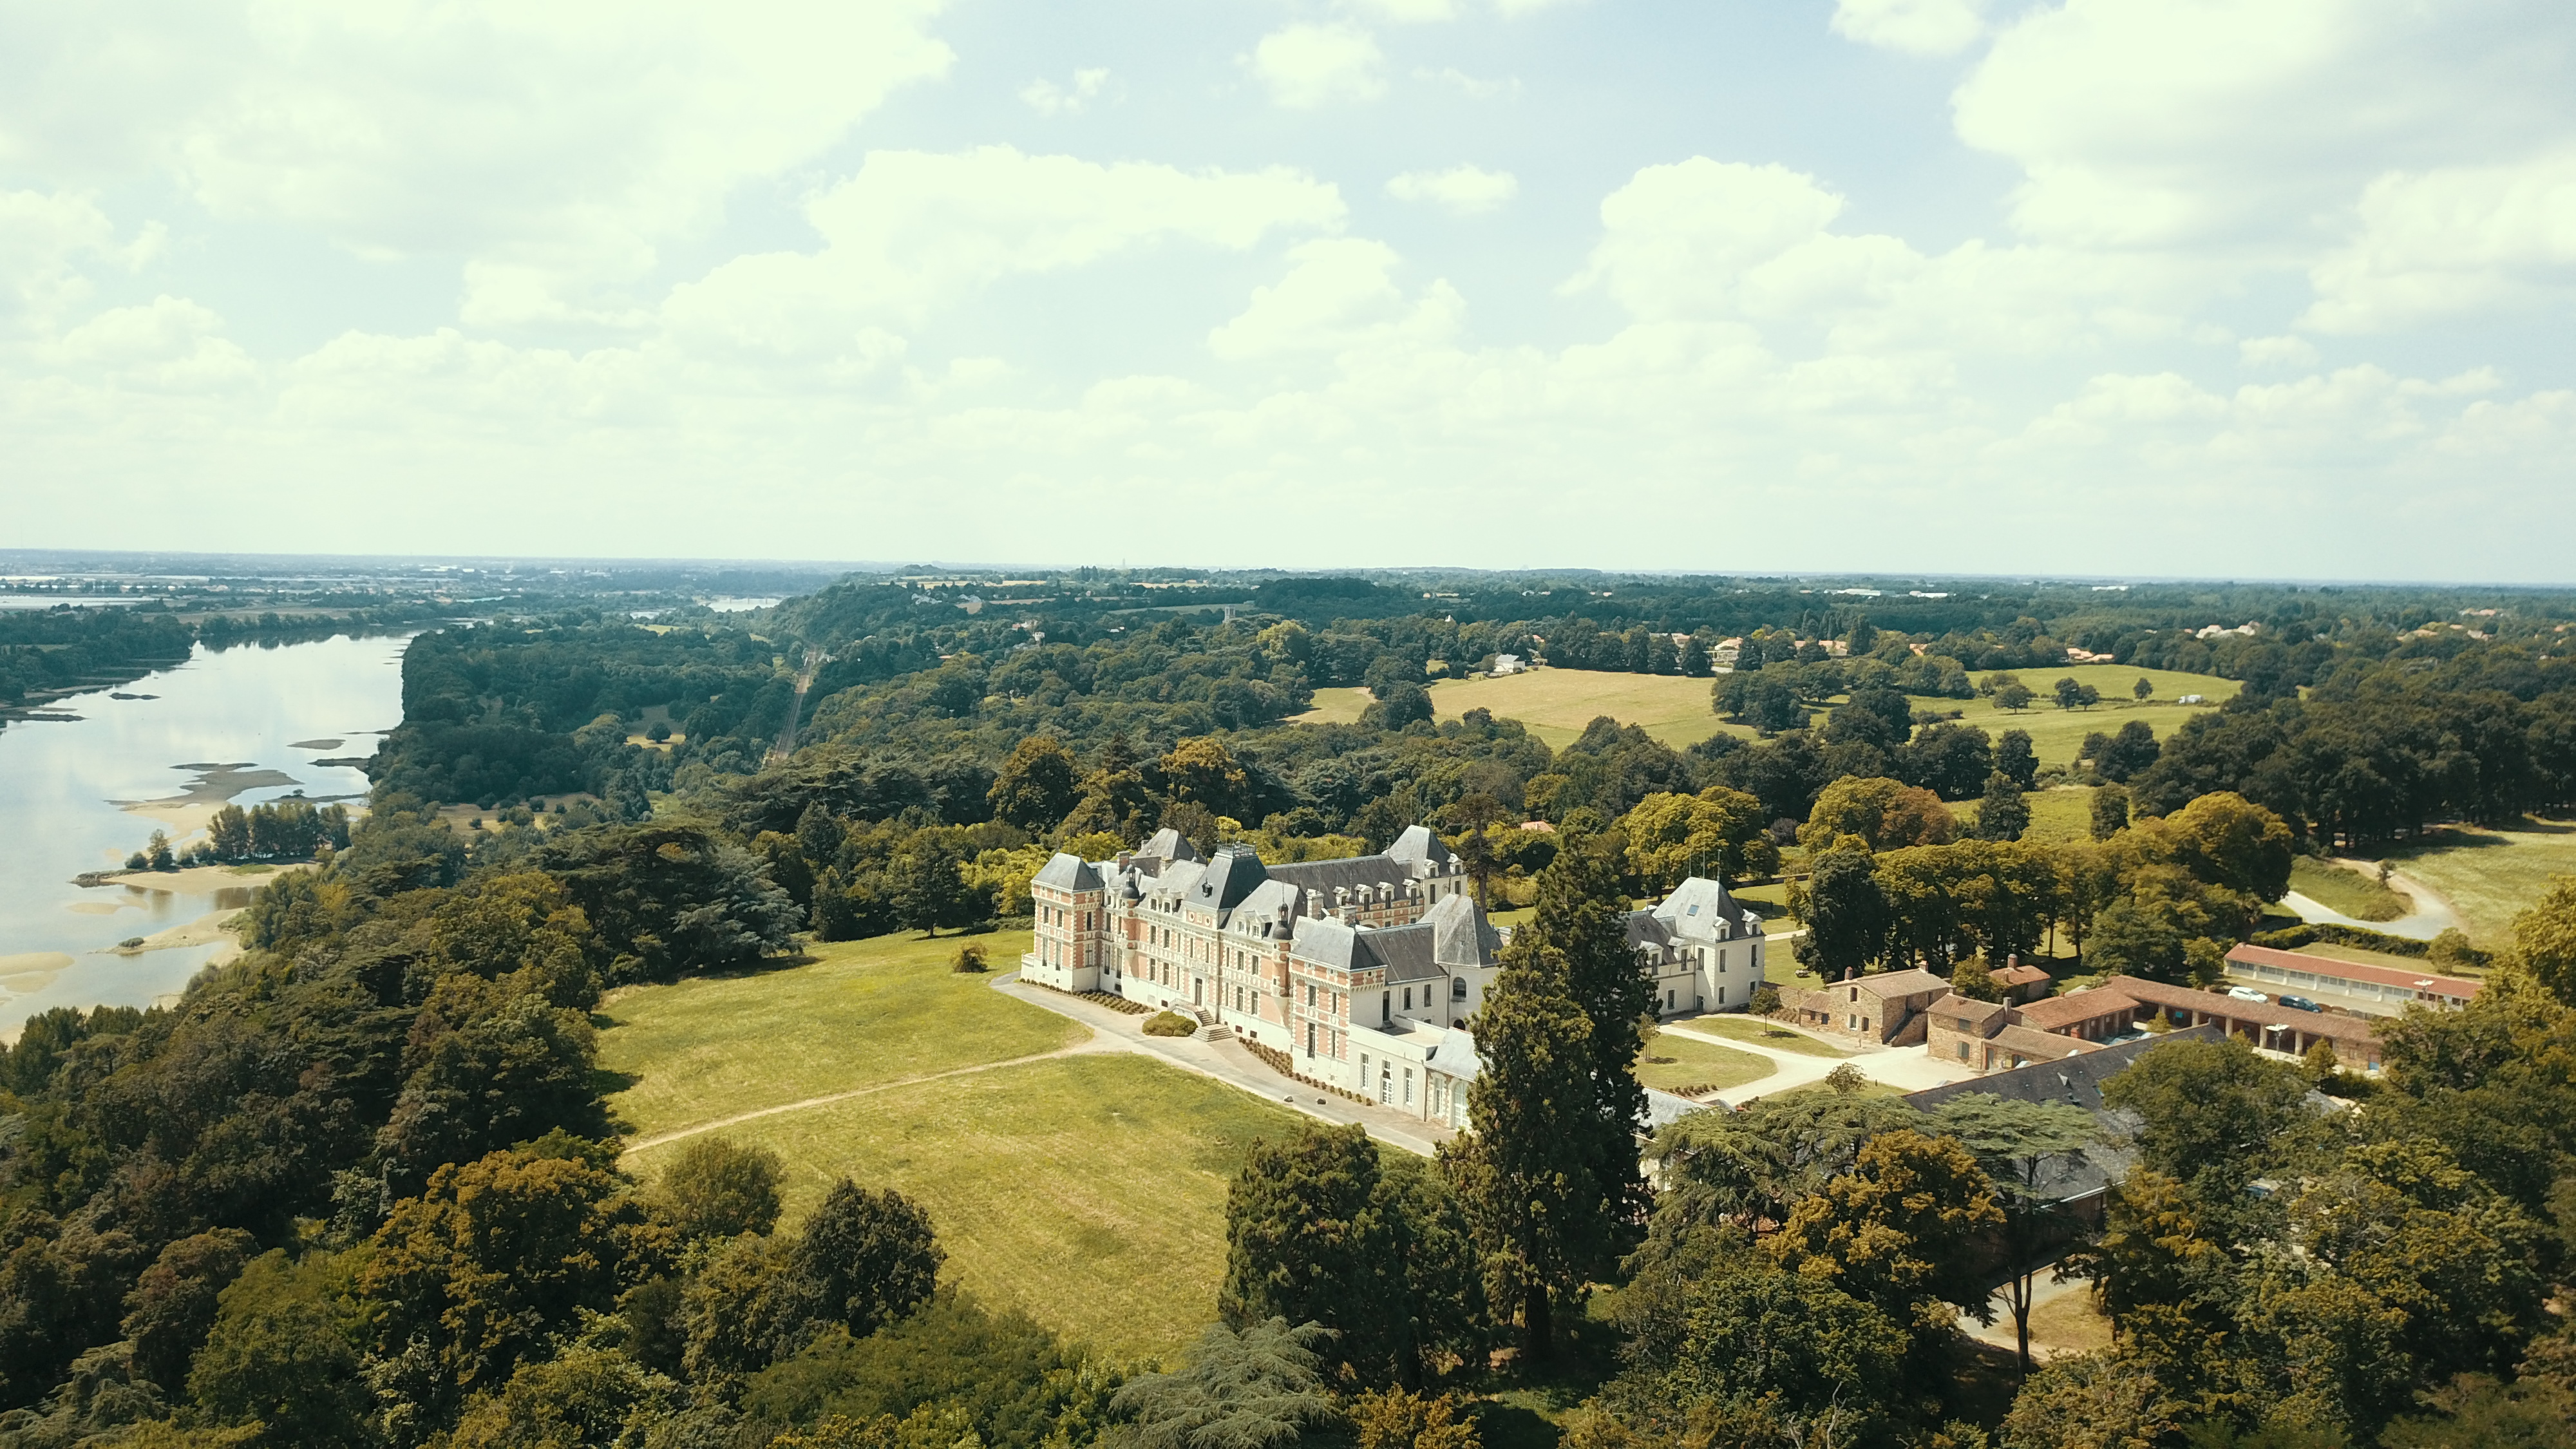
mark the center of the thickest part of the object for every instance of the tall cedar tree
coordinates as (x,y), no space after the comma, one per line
(1527,1173)
(1579,930)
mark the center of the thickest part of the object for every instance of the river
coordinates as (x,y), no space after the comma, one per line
(244,724)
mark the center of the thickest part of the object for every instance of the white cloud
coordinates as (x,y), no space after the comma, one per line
(1473,88)
(1332,290)
(1917,27)
(2277,352)
(1465,190)
(43,238)
(2252,125)
(557,146)
(170,344)
(2451,242)
(1676,239)
(1305,67)
(1340,295)
(1407,12)
(913,231)
(1049,99)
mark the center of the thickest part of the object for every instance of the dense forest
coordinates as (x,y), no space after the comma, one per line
(360,1186)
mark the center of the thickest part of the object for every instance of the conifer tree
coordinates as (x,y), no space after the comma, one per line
(1527,1175)
(2003,814)
(1579,933)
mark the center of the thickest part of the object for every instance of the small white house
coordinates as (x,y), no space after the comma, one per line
(1509,664)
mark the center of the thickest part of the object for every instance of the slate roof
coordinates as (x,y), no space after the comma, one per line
(1323,875)
(1233,875)
(1068,872)
(1461,934)
(1456,1054)
(1418,845)
(1453,936)
(2076,1081)
(1168,844)
(1697,903)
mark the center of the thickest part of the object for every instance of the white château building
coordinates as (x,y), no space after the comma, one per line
(1366,972)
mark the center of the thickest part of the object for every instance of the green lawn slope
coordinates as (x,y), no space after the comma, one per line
(2492,875)
(1087,1190)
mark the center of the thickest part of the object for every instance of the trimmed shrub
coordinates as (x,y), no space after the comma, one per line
(1170,1023)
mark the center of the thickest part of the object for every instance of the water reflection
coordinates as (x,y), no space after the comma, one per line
(280,718)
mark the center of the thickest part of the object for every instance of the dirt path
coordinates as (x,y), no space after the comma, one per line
(786,743)
(1093,1043)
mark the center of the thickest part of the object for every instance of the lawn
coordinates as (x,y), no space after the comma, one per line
(2492,875)
(2069,1323)
(1088,1191)
(2338,888)
(1763,1033)
(2364,956)
(1770,902)
(1556,704)
(863,1012)
(1672,1062)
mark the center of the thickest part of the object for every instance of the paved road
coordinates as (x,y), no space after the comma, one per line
(2432,916)
(1908,1069)
(1228,1061)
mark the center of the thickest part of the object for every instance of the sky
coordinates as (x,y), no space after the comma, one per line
(2252,288)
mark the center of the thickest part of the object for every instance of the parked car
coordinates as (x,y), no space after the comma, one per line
(2300,1003)
(2246,993)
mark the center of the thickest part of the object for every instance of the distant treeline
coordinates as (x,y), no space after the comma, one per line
(74,648)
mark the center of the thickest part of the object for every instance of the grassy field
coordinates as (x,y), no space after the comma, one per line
(862,1012)
(2340,889)
(1557,703)
(2057,816)
(2056,734)
(1763,1033)
(1673,1061)
(1089,1191)
(2492,875)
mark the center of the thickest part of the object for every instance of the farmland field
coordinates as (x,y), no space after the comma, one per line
(1556,704)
